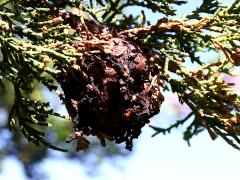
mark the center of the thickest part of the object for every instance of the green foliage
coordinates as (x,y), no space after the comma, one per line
(208,7)
(35,46)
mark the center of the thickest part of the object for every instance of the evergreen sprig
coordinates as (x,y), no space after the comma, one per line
(35,46)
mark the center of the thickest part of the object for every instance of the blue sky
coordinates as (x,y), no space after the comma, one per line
(162,157)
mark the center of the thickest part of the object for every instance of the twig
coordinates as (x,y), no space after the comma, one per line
(168,130)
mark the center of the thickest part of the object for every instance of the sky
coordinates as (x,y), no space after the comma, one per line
(162,157)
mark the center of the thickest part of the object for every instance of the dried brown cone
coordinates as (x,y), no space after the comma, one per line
(108,91)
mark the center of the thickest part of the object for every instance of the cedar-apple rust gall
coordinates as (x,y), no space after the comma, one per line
(109,95)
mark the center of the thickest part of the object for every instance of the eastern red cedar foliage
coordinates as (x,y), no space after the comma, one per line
(112,68)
